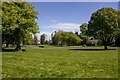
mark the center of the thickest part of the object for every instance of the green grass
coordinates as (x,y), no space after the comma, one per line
(60,62)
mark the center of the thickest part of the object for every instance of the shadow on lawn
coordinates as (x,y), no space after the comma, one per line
(8,50)
(91,49)
(11,50)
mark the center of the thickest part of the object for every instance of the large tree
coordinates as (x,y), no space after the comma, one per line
(18,19)
(104,25)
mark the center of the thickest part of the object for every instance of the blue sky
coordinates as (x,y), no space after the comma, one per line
(72,0)
(67,16)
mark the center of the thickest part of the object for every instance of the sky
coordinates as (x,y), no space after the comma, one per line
(66,16)
(72,0)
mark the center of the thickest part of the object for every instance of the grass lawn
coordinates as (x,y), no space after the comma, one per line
(60,62)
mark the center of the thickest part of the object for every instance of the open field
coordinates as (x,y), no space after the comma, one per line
(61,62)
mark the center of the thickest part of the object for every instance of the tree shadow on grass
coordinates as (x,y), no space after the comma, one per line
(12,50)
(91,49)
(8,50)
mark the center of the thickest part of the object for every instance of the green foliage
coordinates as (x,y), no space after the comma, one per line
(104,25)
(83,35)
(84,28)
(18,18)
(65,38)
(13,0)
(27,38)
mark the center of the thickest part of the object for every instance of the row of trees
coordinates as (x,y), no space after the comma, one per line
(18,26)
(34,40)
(103,28)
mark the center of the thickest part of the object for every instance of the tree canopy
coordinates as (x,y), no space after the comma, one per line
(18,19)
(65,38)
(104,25)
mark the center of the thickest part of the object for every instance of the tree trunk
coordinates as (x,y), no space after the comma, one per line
(105,47)
(7,44)
(105,44)
(18,39)
(18,47)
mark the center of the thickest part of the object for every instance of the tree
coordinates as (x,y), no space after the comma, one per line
(76,33)
(35,39)
(72,39)
(104,25)
(65,38)
(57,38)
(83,35)
(42,39)
(18,19)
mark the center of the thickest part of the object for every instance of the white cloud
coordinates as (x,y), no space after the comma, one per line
(69,27)
(48,34)
(65,26)
(44,32)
